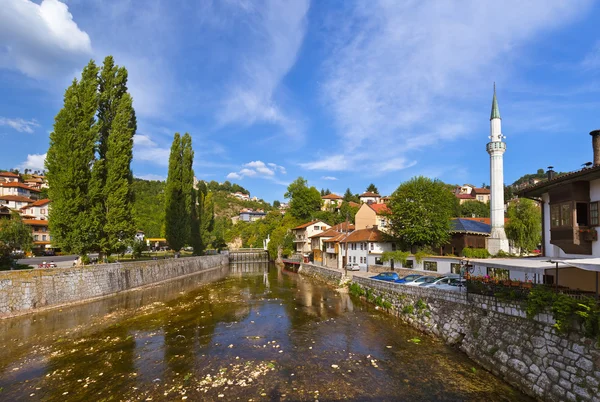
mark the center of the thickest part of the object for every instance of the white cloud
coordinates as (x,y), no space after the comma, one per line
(274,41)
(145,149)
(328,178)
(399,73)
(21,125)
(35,162)
(40,39)
(258,169)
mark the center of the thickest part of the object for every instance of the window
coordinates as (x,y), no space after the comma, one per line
(42,211)
(561,215)
(44,237)
(378,261)
(36,237)
(554,216)
(498,273)
(354,259)
(372,246)
(430,266)
(455,268)
(408,264)
(361,247)
(565,214)
(594,214)
(316,227)
(393,246)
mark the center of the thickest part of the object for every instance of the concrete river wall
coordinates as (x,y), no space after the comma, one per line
(527,353)
(30,290)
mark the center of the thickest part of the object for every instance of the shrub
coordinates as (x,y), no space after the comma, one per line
(85,259)
(420,304)
(408,309)
(475,252)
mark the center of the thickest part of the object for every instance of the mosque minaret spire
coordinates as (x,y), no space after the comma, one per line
(496,148)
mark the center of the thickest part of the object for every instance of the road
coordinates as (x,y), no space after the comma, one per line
(59,260)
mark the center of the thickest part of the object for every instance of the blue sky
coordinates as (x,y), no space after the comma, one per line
(342,93)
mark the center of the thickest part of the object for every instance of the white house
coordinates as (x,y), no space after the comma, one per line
(303,233)
(242,196)
(9,177)
(369,197)
(331,202)
(37,210)
(18,189)
(364,247)
(15,202)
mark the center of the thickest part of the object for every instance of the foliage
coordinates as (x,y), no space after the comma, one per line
(226,186)
(177,221)
(524,227)
(138,247)
(421,210)
(408,309)
(356,290)
(347,211)
(371,188)
(420,304)
(187,183)
(397,256)
(474,209)
(276,204)
(348,196)
(475,252)
(304,200)
(14,235)
(422,253)
(149,206)
(205,211)
(68,161)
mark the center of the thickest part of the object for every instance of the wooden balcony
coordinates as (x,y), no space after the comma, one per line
(574,240)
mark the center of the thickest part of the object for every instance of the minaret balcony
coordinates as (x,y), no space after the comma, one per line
(496,146)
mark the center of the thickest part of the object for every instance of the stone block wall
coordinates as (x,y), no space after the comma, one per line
(24,291)
(332,276)
(530,354)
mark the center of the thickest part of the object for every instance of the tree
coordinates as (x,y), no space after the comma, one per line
(524,225)
(372,189)
(348,211)
(474,209)
(304,201)
(14,235)
(70,155)
(276,204)
(327,192)
(176,219)
(348,196)
(421,210)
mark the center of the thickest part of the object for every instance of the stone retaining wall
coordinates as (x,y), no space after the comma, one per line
(330,275)
(529,354)
(376,269)
(25,291)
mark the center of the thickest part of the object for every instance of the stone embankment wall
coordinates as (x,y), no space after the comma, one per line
(330,275)
(24,291)
(530,354)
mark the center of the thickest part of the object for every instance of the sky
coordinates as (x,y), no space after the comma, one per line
(341,93)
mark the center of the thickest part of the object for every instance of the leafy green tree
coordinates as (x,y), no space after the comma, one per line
(14,235)
(524,225)
(372,189)
(474,209)
(176,218)
(276,204)
(187,181)
(421,210)
(70,155)
(348,211)
(149,206)
(304,200)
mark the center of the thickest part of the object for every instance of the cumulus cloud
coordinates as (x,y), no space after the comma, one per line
(398,73)
(21,125)
(328,178)
(145,149)
(34,161)
(258,169)
(40,39)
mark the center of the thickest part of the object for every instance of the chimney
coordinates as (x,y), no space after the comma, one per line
(551,173)
(596,146)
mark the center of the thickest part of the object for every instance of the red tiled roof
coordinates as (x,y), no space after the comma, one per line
(20,185)
(482,191)
(380,209)
(8,174)
(328,233)
(369,194)
(368,235)
(305,225)
(341,227)
(332,197)
(465,196)
(35,222)
(335,239)
(17,198)
(39,203)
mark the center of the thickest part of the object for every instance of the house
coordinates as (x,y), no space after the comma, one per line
(372,215)
(41,234)
(369,197)
(466,233)
(303,233)
(250,215)
(19,189)
(34,182)
(37,210)
(4,212)
(481,194)
(241,196)
(15,202)
(331,202)
(9,177)
(317,243)
(385,200)
(364,247)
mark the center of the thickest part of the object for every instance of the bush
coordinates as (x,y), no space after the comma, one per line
(420,304)
(408,309)
(475,252)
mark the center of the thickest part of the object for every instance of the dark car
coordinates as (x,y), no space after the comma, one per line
(49,252)
(386,276)
(409,278)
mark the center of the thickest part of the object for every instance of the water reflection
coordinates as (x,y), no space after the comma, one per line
(255,332)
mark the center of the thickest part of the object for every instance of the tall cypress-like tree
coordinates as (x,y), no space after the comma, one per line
(187,181)
(68,162)
(176,218)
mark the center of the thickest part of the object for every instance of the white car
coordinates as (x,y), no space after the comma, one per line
(352,267)
(453,284)
(444,280)
(420,281)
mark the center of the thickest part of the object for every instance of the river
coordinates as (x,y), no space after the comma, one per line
(244,332)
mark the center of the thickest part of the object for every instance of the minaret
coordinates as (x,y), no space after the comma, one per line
(496,148)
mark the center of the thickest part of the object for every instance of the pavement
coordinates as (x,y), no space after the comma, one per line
(61,261)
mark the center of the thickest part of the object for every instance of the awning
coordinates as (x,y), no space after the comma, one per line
(589,264)
(530,265)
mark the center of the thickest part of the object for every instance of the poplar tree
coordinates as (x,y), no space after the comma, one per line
(176,219)
(70,155)
(187,182)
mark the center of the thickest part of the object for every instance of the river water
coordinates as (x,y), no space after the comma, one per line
(244,332)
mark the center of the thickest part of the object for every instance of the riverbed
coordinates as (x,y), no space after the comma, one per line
(244,332)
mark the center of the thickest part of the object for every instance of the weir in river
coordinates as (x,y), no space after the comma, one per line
(244,331)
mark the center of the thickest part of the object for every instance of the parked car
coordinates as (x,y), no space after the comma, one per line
(444,280)
(353,266)
(421,280)
(409,278)
(454,284)
(49,253)
(386,276)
